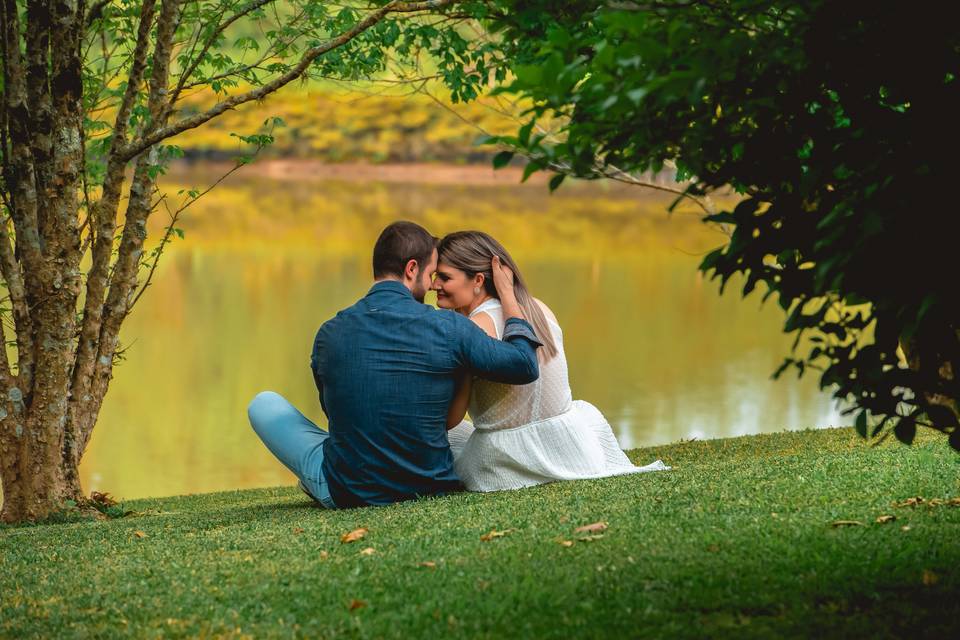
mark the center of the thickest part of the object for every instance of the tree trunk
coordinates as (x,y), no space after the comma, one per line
(51,394)
(33,489)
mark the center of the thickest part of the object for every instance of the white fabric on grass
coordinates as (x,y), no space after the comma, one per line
(523,435)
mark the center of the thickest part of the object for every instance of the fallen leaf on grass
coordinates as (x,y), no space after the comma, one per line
(297,531)
(932,502)
(930,578)
(565,543)
(909,502)
(357,604)
(369,551)
(102,499)
(353,536)
(428,565)
(905,527)
(885,519)
(324,555)
(487,537)
(140,534)
(846,523)
(596,527)
(596,536)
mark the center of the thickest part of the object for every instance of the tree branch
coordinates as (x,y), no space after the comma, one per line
(22,183)
(6,376)
(174,217)
(104,216)
(185,76)
(124,277)
(95,12)
(39,21)
(147,141)
(10,269)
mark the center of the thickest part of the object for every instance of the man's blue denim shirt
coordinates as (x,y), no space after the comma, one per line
(385,370)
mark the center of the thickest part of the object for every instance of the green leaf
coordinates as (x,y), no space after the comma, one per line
(941,416)
(524,134)
(862,423)
(531,168)
(906,430)
(502,159)
(636,95)
(556,181)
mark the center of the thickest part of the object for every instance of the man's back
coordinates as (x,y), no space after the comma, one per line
(385,370)
(384,373)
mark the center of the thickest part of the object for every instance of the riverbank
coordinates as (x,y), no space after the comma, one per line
(423,173)
(794,534)
(305,169)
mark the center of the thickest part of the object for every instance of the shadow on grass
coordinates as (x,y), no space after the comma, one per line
(883,611)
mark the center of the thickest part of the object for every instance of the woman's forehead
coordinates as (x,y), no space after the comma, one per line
(447,267)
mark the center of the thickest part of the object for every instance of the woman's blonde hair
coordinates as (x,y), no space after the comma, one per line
(471,252)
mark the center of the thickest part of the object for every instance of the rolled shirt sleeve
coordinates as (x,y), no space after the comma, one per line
(512,360)
(522,328)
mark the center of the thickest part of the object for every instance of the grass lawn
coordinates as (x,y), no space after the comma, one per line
(736,541)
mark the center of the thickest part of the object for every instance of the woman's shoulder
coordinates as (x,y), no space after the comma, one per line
(485,321)
(548,314)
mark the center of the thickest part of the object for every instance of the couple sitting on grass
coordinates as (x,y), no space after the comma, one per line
(396,378)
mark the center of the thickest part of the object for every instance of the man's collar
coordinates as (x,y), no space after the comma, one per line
(392,286)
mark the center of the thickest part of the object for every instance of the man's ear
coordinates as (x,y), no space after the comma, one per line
(412,269)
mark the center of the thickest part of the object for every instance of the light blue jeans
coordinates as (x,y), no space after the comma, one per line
(294,440)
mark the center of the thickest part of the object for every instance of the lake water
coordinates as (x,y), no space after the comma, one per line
(234,307)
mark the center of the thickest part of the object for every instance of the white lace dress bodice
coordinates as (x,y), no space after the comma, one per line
(494,405)
(523,435)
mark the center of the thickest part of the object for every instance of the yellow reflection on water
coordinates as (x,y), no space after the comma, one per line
(234,308)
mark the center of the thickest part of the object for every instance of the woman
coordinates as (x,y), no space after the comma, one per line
(521,435)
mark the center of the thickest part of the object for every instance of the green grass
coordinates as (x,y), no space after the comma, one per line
(735,542)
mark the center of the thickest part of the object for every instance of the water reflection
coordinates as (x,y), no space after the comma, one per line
(234,308)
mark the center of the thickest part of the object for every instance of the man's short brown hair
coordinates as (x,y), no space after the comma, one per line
(397,245)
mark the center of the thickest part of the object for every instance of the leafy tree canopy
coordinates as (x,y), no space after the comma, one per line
(833,120)
(90,96)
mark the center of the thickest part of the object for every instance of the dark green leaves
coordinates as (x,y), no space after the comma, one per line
(502,159)
(906,429)
(810,116)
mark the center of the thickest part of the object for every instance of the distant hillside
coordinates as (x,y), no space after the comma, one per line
(336,126)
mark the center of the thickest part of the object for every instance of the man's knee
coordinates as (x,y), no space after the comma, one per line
(264,407)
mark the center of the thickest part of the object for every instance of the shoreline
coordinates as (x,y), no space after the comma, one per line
(305,169)
(638,453)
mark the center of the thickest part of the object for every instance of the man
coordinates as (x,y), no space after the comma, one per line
(385,370)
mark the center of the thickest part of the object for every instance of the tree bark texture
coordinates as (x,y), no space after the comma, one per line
(65,343)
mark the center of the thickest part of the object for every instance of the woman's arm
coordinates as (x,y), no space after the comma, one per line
(461,397)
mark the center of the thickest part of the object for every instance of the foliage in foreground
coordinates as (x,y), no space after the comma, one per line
(829,117)
(758,536)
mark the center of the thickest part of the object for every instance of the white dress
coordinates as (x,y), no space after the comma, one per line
(523,435)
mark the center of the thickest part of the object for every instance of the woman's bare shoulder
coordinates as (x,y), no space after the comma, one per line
(546,310)
(485,321)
